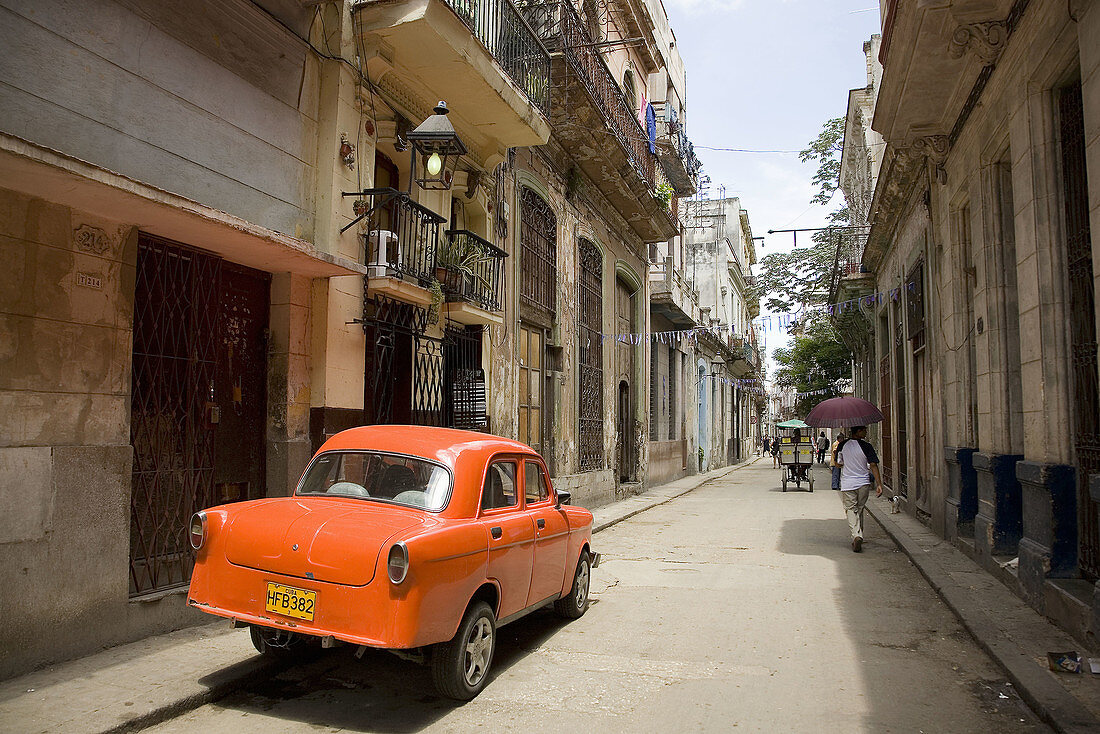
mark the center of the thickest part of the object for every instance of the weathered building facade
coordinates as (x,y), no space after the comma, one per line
(727,369)
(228,241)
(978,313)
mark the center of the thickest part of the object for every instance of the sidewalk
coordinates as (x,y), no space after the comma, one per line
(129,687)
(1011,632)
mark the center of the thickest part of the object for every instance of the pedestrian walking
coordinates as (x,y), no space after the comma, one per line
(832,460)
(858,465)
(822,447)
(767,447)
(775,452)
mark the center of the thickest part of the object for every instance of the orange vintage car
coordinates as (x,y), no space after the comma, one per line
(414,539)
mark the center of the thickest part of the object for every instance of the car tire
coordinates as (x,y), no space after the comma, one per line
(575,603)
(460,667)
(279,645)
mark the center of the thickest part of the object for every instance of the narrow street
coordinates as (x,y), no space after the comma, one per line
(736,606)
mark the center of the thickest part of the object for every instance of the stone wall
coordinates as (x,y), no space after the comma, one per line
(66,309)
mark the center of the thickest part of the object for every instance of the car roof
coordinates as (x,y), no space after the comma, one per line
(465,453)
(444,445)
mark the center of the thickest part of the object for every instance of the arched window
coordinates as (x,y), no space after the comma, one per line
(590,356)
(631,91)
(538,254)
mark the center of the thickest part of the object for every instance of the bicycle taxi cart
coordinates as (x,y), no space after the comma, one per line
(796,454)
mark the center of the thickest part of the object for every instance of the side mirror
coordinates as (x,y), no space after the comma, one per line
(564,498)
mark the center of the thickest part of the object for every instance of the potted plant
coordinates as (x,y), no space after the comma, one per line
(458,261)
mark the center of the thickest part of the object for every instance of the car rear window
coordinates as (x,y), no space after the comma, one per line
(392,478)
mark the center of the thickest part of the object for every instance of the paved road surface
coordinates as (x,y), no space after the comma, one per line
(734,608)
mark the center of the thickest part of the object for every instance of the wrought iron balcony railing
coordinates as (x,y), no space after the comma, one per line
(849,259)
(563,31)
(483,282)
(402,236)
(672,130)
(505,33)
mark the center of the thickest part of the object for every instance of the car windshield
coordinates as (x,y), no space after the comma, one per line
(402,480)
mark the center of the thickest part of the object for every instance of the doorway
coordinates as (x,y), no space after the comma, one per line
(198,400)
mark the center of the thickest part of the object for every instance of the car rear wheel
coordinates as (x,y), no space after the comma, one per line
(281,645)
(575,603)
(460,668)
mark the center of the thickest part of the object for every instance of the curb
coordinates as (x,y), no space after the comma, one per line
(1052,703)
(260,671)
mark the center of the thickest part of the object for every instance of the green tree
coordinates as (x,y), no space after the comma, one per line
(817,360)
(798,279)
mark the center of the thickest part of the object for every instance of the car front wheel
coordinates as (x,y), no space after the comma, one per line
(460,668)
(576,602)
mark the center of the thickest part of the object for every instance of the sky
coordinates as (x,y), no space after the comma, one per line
(765,75)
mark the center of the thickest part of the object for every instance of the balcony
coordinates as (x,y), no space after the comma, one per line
(675,152)
(400,244)
(480,55)
(849,276)
(671,295)
(475,293)
(596,125)
(851,280)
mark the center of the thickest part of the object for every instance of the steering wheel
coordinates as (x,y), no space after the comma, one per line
(350,489)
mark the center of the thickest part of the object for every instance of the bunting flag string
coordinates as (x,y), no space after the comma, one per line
(785,321)
(672,337)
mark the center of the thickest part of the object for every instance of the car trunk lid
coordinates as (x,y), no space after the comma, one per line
(332,540)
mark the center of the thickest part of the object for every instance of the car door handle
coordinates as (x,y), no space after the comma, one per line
(496,533)
(541,523)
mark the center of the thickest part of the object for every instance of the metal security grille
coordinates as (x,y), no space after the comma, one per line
(672,390)
(914,304)
(391,328)
(176,325)
(427,394)
(590,346)
(899,404)
(465,378)
(1082,316)
(538,253)
(885,390)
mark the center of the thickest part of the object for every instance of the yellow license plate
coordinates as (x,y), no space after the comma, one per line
(291,602)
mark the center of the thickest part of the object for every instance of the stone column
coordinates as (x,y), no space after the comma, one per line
(1048,547)
(998,522)
(961,504)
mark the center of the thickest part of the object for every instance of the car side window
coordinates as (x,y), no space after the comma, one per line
(534,483)
(500,486)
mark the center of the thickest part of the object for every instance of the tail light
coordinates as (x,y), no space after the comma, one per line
(198,530)
(397,564)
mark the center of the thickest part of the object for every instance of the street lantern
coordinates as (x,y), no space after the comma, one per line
(439,148)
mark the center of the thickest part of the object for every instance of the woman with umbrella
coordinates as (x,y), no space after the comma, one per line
(857,458)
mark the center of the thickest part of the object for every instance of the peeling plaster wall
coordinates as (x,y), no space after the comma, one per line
(578,216)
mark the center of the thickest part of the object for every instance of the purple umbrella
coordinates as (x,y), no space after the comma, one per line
(843,412)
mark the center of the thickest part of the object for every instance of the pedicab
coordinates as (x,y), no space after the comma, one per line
(796,454)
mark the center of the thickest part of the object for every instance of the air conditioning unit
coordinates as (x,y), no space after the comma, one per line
(382,252)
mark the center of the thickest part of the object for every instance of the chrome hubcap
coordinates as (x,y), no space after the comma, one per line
(479,648)
(581,590)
